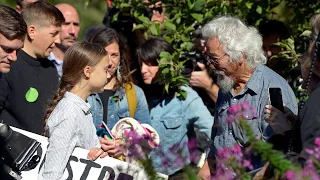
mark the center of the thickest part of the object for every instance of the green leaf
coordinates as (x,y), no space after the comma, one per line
(178,20)
(168,39)
(115,17)
(185,37)
(190,5)
(198,17)
(183,93)
(170,26)
(124,5)
(165,71)
(306,33)
(188,29)
(165,54)
(259,10)
(189,46)
(139,26)
(155,29)
(166,86)
(136,14)
(144,19)
(249,5)
(199,5)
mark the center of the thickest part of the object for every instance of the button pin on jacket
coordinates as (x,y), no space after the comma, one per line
(32,95)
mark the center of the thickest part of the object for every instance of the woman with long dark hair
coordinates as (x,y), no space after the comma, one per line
(177,120)
(120,98)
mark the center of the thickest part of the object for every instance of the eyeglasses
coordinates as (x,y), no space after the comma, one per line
(214,60)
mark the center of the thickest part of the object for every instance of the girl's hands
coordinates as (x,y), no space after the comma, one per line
(95,153)
(112,147)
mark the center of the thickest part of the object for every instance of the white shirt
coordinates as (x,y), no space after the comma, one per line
(57,62)
(70,125)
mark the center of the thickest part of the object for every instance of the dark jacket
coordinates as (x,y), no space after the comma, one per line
(27,72)
(308,125)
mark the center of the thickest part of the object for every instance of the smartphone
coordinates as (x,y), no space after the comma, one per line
(275,98)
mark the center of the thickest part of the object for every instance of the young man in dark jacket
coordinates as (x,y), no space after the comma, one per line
(25,92)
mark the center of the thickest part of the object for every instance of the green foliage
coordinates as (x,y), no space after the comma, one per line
(184,16)
(276,158)
(90,15)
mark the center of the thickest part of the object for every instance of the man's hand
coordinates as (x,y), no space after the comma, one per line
(277,120)
(201,78)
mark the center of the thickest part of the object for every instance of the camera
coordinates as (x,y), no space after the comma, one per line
(190,63)
(17,152)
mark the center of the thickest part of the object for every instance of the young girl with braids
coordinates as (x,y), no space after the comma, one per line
(68,122)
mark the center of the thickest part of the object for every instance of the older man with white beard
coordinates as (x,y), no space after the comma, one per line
(235,51)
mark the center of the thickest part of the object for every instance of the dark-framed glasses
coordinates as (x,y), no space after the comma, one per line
(214,60)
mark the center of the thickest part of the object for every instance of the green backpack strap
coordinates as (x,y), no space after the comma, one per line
(132,98)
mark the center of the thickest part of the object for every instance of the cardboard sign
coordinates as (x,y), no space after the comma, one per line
(79,167)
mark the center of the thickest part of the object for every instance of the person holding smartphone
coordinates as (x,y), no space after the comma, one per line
(234,50)
(306,125)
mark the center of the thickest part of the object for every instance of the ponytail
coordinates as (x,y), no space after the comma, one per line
(58,96)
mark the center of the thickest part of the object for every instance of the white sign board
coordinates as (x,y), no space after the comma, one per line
(79,167)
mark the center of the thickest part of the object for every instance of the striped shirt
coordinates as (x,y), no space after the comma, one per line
(70,125)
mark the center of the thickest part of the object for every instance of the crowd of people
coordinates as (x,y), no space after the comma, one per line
(53,85)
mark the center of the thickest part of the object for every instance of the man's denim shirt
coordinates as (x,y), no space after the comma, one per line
(256,94)
(119,109)
(174,119)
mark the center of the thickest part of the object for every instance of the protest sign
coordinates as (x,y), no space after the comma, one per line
(79,167)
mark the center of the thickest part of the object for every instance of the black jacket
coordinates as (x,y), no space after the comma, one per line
(25,73)
(308,125)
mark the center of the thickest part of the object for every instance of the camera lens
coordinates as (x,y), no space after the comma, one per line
(188,68)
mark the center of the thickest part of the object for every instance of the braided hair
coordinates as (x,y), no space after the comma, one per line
(76,58)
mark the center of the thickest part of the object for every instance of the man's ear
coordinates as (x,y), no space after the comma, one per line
(32,31)
(87,72)
(18,9)
(244,57)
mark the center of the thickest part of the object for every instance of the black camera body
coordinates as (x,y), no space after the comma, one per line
(17,150)
(190,64)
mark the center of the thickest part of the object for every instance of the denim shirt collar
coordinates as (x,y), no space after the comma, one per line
(255,79)
(254,82)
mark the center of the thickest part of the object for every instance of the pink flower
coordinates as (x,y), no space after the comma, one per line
(245,105)
(234,109)
(309,151)
(247,164)
(290,175)
(231,118)
(317,141)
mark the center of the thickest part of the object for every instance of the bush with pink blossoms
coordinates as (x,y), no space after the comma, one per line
(311,169)
(234,162)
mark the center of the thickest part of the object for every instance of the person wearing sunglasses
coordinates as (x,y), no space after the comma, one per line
(234,51)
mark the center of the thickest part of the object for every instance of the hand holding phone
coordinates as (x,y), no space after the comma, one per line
(275,98)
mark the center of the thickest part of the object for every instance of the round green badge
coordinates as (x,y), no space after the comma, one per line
(32,95)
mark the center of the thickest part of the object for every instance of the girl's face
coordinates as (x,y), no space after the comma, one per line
(148,72)
(114,57)
(100,76)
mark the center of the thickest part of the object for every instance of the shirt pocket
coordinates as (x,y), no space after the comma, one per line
(173,128)
(123,109)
